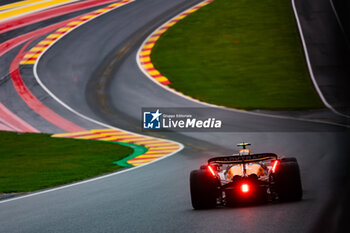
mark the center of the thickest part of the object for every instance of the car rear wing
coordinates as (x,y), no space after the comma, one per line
(236,159)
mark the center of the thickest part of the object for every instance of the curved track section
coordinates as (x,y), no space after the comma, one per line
(93,70)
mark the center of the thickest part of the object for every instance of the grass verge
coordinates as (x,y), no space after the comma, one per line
(243,54)
(31,162)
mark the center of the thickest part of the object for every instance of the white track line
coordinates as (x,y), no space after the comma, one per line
(325,102)
(339,22)
(181,146)
(218,106)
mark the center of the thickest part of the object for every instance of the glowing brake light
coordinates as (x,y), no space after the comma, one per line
(245,188)
(211,170)
(274,166)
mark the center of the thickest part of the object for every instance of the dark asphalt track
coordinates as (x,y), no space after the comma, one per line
(328,51)
(155,198)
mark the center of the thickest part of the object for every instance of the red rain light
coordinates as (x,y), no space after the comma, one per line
(274,166)
(245,188)
(211,170)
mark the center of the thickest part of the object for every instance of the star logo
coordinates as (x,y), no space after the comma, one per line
(152,120)
(156,115)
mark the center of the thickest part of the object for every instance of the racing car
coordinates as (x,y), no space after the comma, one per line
(245,178)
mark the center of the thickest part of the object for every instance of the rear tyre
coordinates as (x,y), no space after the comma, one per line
(204,189)
(287,181)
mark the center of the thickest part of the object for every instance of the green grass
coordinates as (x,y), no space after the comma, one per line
(242,54)
(31,162)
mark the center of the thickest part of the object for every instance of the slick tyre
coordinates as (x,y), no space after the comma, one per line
(204,189)
(287,181)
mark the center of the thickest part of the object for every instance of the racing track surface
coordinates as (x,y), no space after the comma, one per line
(155,198)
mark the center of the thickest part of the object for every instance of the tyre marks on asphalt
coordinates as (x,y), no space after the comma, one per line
(32,55)
(156,148)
